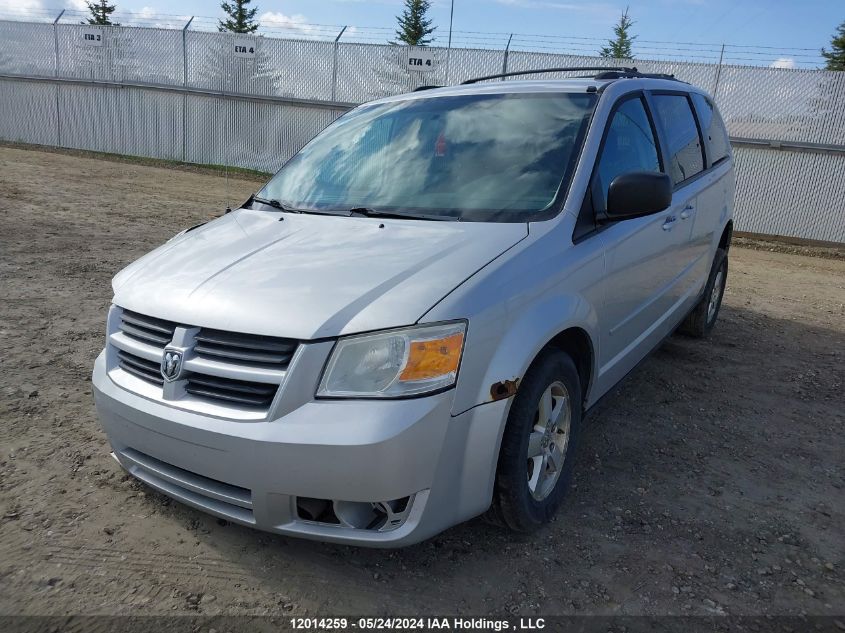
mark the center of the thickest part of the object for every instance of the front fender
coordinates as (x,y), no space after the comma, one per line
(528,333)
(515,307)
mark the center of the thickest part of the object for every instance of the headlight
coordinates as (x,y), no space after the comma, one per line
(396,363)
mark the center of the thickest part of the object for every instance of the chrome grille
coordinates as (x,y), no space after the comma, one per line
(240,372)
(250,349)
(141,367)
(255,394)
(147,329)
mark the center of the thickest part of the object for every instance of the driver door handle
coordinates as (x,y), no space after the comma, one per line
(669,223)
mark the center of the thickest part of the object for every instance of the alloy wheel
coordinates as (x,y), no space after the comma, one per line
(548,440)
(715,295)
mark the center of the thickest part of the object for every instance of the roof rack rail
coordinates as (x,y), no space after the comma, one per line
(624,74)
(418,88)
(517,73)
(604,72)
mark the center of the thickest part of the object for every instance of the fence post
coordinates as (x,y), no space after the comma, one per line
(226,111)
(334,64)
(185,84)
(56,49)
(507,52)
(718,72)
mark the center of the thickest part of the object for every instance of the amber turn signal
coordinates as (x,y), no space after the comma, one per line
(433,358)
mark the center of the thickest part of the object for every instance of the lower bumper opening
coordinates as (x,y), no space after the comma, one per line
(378,516)
(209,494)
(236,503)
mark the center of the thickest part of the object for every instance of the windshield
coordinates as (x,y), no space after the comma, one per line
(477,157)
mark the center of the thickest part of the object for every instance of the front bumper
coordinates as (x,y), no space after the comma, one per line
(350,450)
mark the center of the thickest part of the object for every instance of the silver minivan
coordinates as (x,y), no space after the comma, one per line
(404,328)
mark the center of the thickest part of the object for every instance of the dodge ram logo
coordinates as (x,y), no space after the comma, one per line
(171,364)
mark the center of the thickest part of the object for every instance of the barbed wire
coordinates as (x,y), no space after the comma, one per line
(275,25)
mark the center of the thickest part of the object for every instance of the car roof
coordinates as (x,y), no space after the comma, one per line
(575,85)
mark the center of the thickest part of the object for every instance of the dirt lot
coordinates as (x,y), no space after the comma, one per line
(710,481)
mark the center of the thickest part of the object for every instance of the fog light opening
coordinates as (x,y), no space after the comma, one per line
(355,514)
(360,515)
(319,510)
(393,513)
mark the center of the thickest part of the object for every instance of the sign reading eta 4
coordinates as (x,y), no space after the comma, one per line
(421,59)
(92,36)
(245,48)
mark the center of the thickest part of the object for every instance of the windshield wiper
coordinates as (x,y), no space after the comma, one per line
(355,211)
(281,206)
(375,213)
(276,204)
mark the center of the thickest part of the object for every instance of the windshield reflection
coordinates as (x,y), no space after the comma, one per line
(478,157)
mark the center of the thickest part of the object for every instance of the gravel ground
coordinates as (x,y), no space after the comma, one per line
(709,482)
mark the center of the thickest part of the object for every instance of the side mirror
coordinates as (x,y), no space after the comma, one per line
(638,193)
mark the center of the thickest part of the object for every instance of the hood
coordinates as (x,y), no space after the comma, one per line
(309,276)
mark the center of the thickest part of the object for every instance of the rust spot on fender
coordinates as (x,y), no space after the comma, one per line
(503,389)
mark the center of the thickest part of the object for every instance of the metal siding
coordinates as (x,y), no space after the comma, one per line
(128,121)
(795,194)
(260,136)
(28,112)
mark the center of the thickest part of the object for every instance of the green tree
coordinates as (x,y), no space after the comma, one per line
(240,19)
(621,46)
(414,25)
(100,13)
(836,55)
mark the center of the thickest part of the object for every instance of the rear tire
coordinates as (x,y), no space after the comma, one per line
(538,444)
(699,323)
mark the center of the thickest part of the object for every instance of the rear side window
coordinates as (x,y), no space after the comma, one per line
(712,127)
(629,145)
(684,143)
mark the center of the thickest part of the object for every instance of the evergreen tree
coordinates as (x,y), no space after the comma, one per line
(240,20)
(414,26)
(100,12)
(620,46)
(836,55)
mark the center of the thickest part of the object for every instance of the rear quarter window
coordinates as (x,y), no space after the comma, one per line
(713,127)
(686,158)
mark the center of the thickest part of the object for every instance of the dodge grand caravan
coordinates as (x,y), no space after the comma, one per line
(405,326)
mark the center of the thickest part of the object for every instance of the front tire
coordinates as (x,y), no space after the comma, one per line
(538,444)
(699,323)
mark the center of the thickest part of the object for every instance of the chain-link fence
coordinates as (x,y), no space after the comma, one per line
(253,101)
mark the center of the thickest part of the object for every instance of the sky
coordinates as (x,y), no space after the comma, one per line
(782,24)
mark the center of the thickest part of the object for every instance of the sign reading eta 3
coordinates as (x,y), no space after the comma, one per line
(92,37)
(421,59)
(245,48)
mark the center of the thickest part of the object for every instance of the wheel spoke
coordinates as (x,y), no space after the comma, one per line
(561,414)
(535,444)
(555,458)
(546,406)
(537,473)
